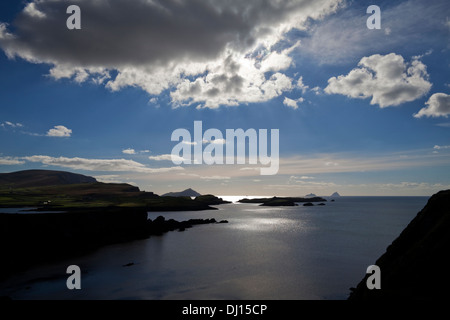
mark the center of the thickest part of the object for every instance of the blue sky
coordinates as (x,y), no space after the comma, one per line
(361,112)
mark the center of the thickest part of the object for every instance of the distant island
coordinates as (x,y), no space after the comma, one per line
(185,193)
(311,195)
(281,201)
(335,194)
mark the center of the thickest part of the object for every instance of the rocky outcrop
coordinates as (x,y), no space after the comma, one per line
(276,202)
(209,200)
(282,201)
(160,225)
(415,265)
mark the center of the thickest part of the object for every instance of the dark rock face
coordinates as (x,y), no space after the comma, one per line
(415,265)
(31,239)
(308,204)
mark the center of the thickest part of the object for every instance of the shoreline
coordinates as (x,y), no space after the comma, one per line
(30,239)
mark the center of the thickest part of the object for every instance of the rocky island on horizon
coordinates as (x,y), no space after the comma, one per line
(185,193)
(282,201)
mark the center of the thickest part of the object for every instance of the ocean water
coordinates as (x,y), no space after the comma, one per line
(270,253)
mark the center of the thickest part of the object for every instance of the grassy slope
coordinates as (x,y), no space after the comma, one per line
(92,195)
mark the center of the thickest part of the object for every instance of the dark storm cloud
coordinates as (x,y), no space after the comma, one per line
(199,50)
(117,33)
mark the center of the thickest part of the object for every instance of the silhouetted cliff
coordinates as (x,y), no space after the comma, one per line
(415,265)
(27,240)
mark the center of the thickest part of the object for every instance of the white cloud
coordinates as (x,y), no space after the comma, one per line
(215,178)
(9,161)
(301,179)
(190,143)
(166,157)
(437,147)
(301,85)
(215,141)
(59,131)
(292,103)
(213,53)
(437,106)
(129,151)
(33,12)
(114,165)
(8,124)
(387,79)
(250,169)
(113,178)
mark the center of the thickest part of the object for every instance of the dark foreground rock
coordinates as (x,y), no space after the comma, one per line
(160,225)
(27,240)
(415,265)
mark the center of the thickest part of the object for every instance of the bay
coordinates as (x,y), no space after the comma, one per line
(272,253)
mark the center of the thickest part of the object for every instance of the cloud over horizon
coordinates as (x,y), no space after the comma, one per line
(113,165)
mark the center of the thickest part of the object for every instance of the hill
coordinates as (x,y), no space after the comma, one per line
(41,178)
(335,194)
(65,191)
(186,193)
(415,265)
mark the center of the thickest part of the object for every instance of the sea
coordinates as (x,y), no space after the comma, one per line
(262,253)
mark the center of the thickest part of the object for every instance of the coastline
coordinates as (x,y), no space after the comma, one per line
(28,240)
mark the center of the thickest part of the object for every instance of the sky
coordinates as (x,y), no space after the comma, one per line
(359,111)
